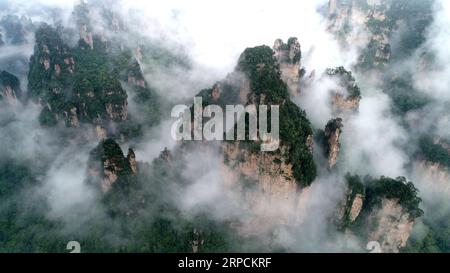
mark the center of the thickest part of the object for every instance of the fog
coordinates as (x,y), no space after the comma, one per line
(211,35)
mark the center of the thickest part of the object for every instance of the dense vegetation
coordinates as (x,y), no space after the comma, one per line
(346,79)
(355,186)
(88,80)
(373,191)
(15,28)
(433,152)
(260,66)
(399,15)
(436,238)
(404,96)
(136,215)
(140,213)
(400,189)
(75,78)
(8,79)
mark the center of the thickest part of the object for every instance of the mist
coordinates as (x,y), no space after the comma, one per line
(209,37)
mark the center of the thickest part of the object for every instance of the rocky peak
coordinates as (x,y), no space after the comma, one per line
(381,20)
(15,29)
(131,157)
(197,240)
(283,175)
(433,160)
(87,92)
(393,225)
(107,164)
(344,16)
(10,90)
(82,17)
(386,207)
(333,131)
(346,98)
(257,75)
(289,56)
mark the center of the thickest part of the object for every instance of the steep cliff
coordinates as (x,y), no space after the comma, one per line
(347,96)
(108,165)
(383,21)
(76,85)
(16,29)
(265,179)
(289,58)
(257,80)
(10,90)
(433,162)
(382,210)
(333,131)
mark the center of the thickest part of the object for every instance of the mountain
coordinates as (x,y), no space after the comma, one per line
(97,86)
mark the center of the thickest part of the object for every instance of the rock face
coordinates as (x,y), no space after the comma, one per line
(289,57)
(433,163)
(15,29)
(10,88)
(379,20)
(386,210)
(436,174)
(348,95)
(197,240)
(332,134)
(131,157)
(82,16)
(352,204)
(356,207)
(344,16)
(257,80)
(108,164)
(273,184)
(85,92)
(267,183)
(393,226)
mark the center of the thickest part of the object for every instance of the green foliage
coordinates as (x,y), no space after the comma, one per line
(298,55)
(435,240)
(417,17)
(373,192)
(92,81)
(38,77)
(347,80)
(433,152)
(262,69)
(409,20)
(404,96)
(402,190)
(23,226)
(15,28)
(355,186)
(8,79)
(108,149)
(367,59)
(47,118)
(295,129)
(139,215)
